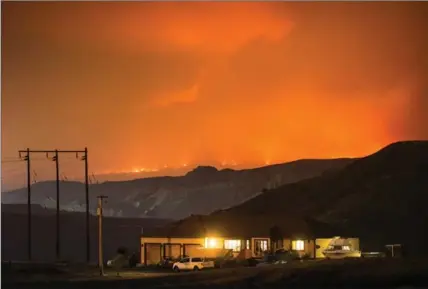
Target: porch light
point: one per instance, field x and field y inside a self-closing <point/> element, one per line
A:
<point x="211" y="243"/>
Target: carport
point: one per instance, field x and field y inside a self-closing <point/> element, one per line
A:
<point x="172" y="250"/>
<point x="152" y="253"/>
<point x="191" y="249"/>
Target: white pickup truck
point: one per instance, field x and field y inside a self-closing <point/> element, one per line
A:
<point x="192" y="263"/>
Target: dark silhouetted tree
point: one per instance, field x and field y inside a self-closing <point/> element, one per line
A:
<point x="276" y="238"/>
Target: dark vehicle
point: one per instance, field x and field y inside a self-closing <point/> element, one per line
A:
<point x="167" y="262"/>
<point x="252" y="262"/>
<point x="287" y="255"/>
<point x="280" y="256"/>
<point x="225" y="263"/>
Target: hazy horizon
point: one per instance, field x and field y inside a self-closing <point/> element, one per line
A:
<point x="157" y="172"/>
<point x="13" y="184"/>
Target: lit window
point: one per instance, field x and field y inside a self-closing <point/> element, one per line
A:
<point x="234" y="245"/>
<point x="298" y="245"/>
<point x="260" y="246"/>
<point x="264" y="245"/>
<point x="247" y="245"/>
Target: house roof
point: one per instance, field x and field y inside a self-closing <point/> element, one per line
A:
<point x="233" y="226"/>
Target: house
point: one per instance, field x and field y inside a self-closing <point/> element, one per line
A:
<point x="185" y="237"/>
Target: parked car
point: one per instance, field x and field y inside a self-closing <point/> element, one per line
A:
<point x="192" y="263"/>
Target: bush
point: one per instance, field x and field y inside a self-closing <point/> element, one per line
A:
<point x="122" y="251"/>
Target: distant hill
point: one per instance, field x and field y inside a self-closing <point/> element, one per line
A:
<point x="117" y="232"/>
<point x="381" y="198"/>
<point x="201" y="191"/>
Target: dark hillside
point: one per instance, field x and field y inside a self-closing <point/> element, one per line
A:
<point x="117" y="232"/>
<point x="175" y="197"/>
<point x="381" y="198"/>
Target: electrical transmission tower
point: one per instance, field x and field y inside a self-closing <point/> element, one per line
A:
<point x="55" y="158"/>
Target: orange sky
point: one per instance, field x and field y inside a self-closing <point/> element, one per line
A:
<point x="148" y="84"/>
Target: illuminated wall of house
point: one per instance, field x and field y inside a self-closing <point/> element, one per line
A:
<point x="155" y="250"/>
<point x="258" y="246"/>
<point x="286" y="244"/>
<point x="302" y="247"/>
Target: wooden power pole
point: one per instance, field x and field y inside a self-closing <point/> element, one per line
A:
<point x="100" y="233"/>
<point x="27" y="158"/>
<point x="58" y="230"/>
<point x="88" y="240"/>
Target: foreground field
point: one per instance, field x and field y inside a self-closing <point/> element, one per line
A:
<point x="375" y="273"/>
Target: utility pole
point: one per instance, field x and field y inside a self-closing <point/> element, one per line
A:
<point x="58" y="232"/>
<point x="56" y="159"/>
<point x="27" y="159"/>
<point x="88" y="240"/>
<point x="100" y="233"/>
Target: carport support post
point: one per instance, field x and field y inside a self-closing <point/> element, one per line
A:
<point x="315" y="248"/>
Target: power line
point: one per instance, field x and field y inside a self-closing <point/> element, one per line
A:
<point x="10" y="158"/>
<point x="64" y="177"/>
<point x="93" y="179"/>
<point x="34" y="177"/>
<point x="21" y="160"/>
<point x="10" y="161"/>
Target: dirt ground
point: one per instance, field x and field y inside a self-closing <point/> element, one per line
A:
<point x="363" y="273"/>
